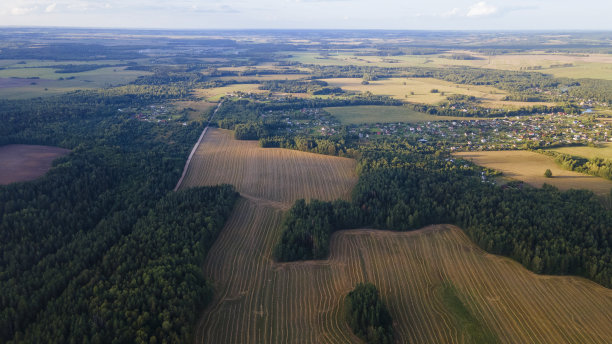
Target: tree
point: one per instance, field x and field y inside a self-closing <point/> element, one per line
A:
<point x="548" y="173"/>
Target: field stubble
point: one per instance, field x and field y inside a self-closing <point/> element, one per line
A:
<point x="260" y="301"/>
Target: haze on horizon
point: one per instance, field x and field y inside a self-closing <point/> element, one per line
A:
<point x="311" y="14"/>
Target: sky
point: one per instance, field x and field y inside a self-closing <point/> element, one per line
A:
<point x="312" y="14"/>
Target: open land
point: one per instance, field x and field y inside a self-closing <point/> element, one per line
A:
<point x="20" y="163"/>
<point x="603" y="151"/>
<point x="38" y="82"/>
<point x="439" y="286"/>
<point x="529" y="167"/>
<point x="402" y="88"/>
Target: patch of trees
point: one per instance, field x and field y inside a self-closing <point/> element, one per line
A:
<point x="368" y="316"/>
<point x="595" y="166"/>
<point x="405" y="187"/>
<point x="308" y="226"/>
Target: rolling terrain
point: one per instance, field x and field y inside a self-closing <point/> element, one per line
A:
<point x="438" y="285"/>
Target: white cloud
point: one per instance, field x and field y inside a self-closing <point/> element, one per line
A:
<point x="19" y="11"/>
<point x="51" y="8"/>
<point x="481" y="9"/>
<point x="452" y="13"/>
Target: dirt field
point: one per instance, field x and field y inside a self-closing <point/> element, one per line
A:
<point x="439" y="286"/>
<point x="529" y="167"/>
<point x="274" y="174"/>
<point x="421" y="87"/>
<point x="20" y="163"/>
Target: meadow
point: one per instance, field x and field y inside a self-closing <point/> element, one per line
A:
<point x="530" y="167"/>
<point x="382" y="114"/>
<point x="43" y="81"/>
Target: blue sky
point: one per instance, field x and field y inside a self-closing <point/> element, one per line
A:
<point x="312" y="14"/>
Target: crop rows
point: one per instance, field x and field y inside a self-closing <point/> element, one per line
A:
<point x="259" y="301"/>
<point x="272" y="174"/>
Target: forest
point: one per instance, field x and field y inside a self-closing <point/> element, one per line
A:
<point x="69" y="239"/>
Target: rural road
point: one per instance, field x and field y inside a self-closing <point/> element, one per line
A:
<point x="195" y="147"/>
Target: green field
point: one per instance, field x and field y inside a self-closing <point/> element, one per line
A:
<point x="602" y="151"/>
<point x="382" y="114"/>
<point x="48" y="82"/>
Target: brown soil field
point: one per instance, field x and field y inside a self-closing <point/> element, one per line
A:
<point x="273" y="174"/>
<point x="20" y="163"/>
<point x="259" y="301"/>
<point x="529" y="167"/>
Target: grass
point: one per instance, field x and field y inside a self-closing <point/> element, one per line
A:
<point x="382" y="114"/>
<point x="418" y="90"/>
<point x="440" y="287"/>
<point x="603" y="151"/>
<point x="530" y="167"/>
<point x="48" y="83"/>
<point x="464" y="319"/>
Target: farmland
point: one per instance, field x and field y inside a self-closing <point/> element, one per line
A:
<point x="214" y="94"/>
<point x="418" y="90"/>
<point x="529" y="167"/>
<point x="45" y="81"/>
<point x="438" y="285"/>
<point x="19" y="163"/>
<point x="382" y="114"/>
<point x="603" y="151"/>
<point x="273" y="174"/>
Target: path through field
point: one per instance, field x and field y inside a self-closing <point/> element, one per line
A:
<point x="439" y="286"/>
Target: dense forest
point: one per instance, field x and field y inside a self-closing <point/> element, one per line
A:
<point x="368" y="316"/>
<point x="86" y="245"/>
<point x="403" y="186"/>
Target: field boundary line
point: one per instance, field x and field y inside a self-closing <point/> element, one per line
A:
<point x="195" y="148"/>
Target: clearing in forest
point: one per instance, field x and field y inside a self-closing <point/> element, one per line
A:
<point x="530" y="167"/>
<point x="439" y="287"/>
<point x="20" y="163"/>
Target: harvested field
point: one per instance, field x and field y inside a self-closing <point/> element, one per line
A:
<point x="274" y="174"/>
<point x="20" y="163"/>
<point x="529" y="167"/>
<point x="259" y="301"/>
<point x="439" y="287"/>
<point x="603" y="151"/>
<point x="401" y="88"/>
